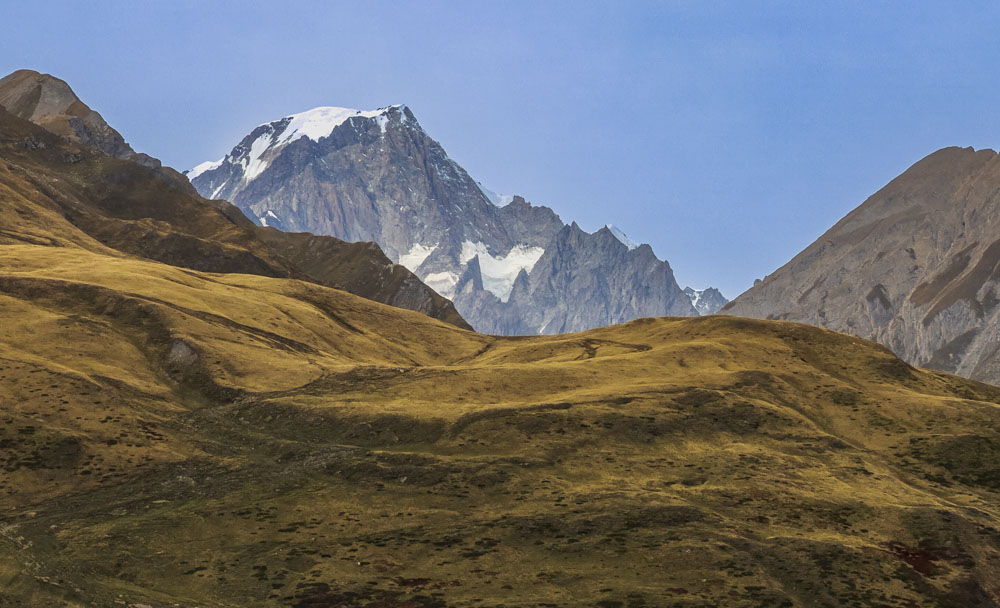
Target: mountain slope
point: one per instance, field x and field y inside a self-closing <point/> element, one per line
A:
<point x="376" y="175"/>
<point x="57" y="190"/>
<point x="915" y="267"/>
<point x="361" y="269"/>
<point x="178" y="437"/>
<point x="50" y="103"/>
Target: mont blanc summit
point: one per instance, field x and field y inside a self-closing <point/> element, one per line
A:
<point x="375" y="175"/>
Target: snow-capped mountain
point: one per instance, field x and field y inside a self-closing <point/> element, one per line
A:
<point x="254" y="153"/>
<point x="706" y="301"/>
<point x="364" y="175"/>
<point x="377" y="176"/>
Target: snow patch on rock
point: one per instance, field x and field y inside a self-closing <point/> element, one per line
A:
<point x="442" y="282"/>
<point x="416" y="256"/>
<point x="252" y="163"/>
<point x="500" y="200"/>
<point x="500" y="272"/>
<point x="203" y="167"/>
<point x="318" y="123"/>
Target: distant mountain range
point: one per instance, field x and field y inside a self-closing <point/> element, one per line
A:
<point x="509" y="266"/>
<point x="915" y="267"/>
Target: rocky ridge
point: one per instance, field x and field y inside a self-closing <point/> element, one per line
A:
<point x="915" y="267"/>
<point x="579" y="281"/>
<point x="50" y="103"/>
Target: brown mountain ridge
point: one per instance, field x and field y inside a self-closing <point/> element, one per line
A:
<point x="50" y="103"/>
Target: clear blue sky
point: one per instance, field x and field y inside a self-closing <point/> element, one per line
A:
<point x="728" y="135"/>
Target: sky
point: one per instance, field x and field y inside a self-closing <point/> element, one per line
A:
<point x="728" y="135"/>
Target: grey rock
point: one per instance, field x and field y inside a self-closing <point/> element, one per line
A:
<point x="582" y="280"/>
<point x="916" y="267"/>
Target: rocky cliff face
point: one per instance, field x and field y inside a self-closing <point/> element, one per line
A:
<point x="582" y="280"/>
<point x="706" y="301"/>
<point x="376" y="175"/>
<point x="916" y="267"/>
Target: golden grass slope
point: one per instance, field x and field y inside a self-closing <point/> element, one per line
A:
<point x="180" y="438"/>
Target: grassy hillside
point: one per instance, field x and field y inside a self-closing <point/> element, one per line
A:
<point x="180" y="438"/>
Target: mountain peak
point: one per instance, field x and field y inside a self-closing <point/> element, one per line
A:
<point x="621" y="236"/>
<point x="911" y="267"/>
<point x="320" y="122"/>
<point x="48" y="94"/>
<point x="252" y="156"/>
<point x="50" y="103"/>
<point x="46" y="101"/>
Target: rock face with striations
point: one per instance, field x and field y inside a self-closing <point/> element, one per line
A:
<point x="510" y="267"/>
<point x="579" y="282"/>
<point x="916" y="267"/>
